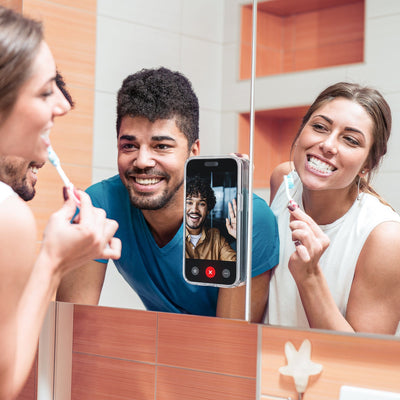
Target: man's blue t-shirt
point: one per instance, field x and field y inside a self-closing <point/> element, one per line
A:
<point x="156" y="273"/>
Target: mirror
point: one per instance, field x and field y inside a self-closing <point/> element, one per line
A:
<point x="202" y="40"/>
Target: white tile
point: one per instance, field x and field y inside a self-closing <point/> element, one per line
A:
<point x="232" y="21"/>
<point x="201" y="63"/>
<point x="229" y="132"/>
<point x="210" y="133"/>
<point x="98" y="174"/>
<point x="385" y="183"/>
<point x="378" y="8"/>
<point x="203" y="19"/>
<point x="105" y="134"/>
<point x="124" y="48"/>
<point x="382" y="40"/>
<point x="162" y="14"/>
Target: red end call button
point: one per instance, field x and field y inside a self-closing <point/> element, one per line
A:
<point x="210" y="272"/>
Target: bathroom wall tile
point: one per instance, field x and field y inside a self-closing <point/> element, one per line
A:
<point x="351" y="19"/>
<point x="102" y="378"/>
<point x="205" y="76"/>
<point x="231" y="21"/>
<point x="207" y="344"/>
<point x="29" y="391"/>
<point x="13" y="4"/>
<point x="346" y="360"/>
<point x="99" y="174"/>
<point x="375" y="8"/>
<point x="74" y="52"/>
<point x="140" y="12"/>
<point x="121" y="51"/>
<point x="49" y="197"/>
<point x="269" y="31"/>
<point x="381" y="63"/>
<point x="104" y="132"/>
<point x="306" y="30"/>
<point x="183" y="384"/>
<point x="211" y="142"/>
<point x="84" y="5"/>
<point x="202" y="20"/>
<point x="383" y="183"/>
<point x="229" y="132"/>
<point x="96" y="332"/>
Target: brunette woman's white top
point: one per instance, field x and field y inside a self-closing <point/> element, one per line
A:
<point x="347" y="236"/>
<point x="5" y="192"/>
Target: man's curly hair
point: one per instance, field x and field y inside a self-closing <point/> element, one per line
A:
<point x="160" y="94"/>
<point x="199" y="186"/>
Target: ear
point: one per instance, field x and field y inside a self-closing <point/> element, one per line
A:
<point x="195" y="149"/>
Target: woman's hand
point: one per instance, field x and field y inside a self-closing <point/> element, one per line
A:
<point x="310" y="244"/>
<point x="70" y="245"/>
<point x="231" y="221"/>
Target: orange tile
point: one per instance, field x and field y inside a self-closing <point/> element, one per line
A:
<point x="269" y="61"/>
<point x="246" y="24"/>
<point x="269" y="30"/>
<point x="14" y="4"/>
<point x="208" y="344"/>
<point x="115" y="332"/>
<point x="245" y="61"/>
<point x="74" y="52"/>
<point x="350" y="27"/>
<point x="306" y="30"/>
<point x="274" y="131"/>
<point x="346" y="359"/>
<point x="181" y="384"/>
<point x="103" y="378"/>
<point x="49" y="197"/>
<point x="29" y="391"/>
<point x="305" y="35"/>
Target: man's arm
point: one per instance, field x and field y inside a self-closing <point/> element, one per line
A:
<point x="231" y="301"/>
<point x="83" y="285"/>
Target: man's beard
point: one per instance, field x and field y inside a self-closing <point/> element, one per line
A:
<point x="147" y="201"/>
<point x="24" y="191"/>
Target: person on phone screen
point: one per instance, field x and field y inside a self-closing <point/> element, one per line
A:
<point x="202" y="242"/>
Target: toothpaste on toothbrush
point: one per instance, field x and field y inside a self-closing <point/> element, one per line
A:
<point x="55" y="161"/>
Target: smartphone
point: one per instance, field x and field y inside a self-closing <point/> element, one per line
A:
<point x="215" y="220"/>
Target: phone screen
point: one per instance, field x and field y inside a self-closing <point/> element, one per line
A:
<point x="211" y="225"/>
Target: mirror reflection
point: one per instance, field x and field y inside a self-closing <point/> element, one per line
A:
<point x="211" y="49"/>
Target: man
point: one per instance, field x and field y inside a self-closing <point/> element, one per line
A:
<point x="157" y="130"/>
<point x="21" y="174"/>
<point x="203" y="243"/>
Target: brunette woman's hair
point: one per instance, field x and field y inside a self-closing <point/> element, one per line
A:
<point x="20" y="39"/>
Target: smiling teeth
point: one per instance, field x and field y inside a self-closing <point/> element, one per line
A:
<point x="34" y="169"/>
<point x="320" y="166"/>
<point x="147" y="181"/>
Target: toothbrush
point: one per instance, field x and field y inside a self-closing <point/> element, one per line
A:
<point x="55" y="161"/>
<point x="289" y="184"/>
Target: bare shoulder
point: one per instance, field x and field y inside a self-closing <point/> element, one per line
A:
<point x="374" y="302"/>
<point x="17" y="217"/>
<point x="277" y="177"/>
